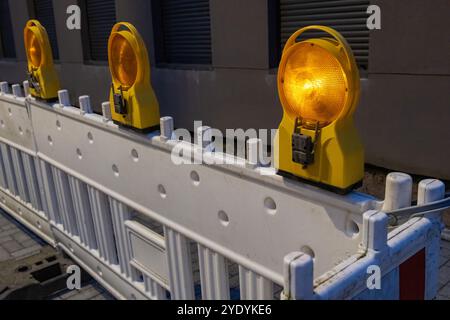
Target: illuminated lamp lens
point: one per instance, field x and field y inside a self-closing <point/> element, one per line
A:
<point x="34" y="49"/>
<point x="314" y="84"/>
<point x="124" y="62"/>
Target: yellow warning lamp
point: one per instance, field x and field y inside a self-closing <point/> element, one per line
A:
<point x="133" y="101"/>
<point x="318" y="85"/>
<point x="43" y="80"/>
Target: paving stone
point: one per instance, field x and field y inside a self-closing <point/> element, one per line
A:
<point x="11" y="246"/>
<point x="85" y="293"/>
<point x="69" y="294"/>
<point x="8" y="226"/>
<point x="445" y="291"/>
<point x="29" y="243"/>
<point x="3" y="222"/>
<point x="27" y="252"/>
<point x="9" y="232"/>
<point x="5" y="239"/>
<point x="21" y="237"/>
<point x="444" y="277"/>
<point x="4" y="255"/>
<point x="445" y="244"/>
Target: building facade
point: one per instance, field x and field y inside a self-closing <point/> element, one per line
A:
<point x="216" y="61"/>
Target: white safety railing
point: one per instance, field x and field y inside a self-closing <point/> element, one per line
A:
<point x="147" y="228"/>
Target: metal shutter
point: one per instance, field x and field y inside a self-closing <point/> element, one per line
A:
<point x="347" y="16"/>
<point x="8" y="49"/>
<point x="45" y="15"/>
<point x="101" y="17"/>
<point x="186" y="31"/>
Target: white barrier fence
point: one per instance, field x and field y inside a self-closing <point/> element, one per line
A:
<point x="147" y="228"/>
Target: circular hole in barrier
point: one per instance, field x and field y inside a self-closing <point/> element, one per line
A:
<point x="195" y="178"/>
<point x="162" y="191"/>
<point x="307" y="250"/>
<point x="133" y="297"/>
<point x="71" y="248"/>
<point x="79" y="154"/>
<point x="352" y="228"/>
<point x="2" y="123"/>
<point x="21" y="131"/>
<point x="58" y="124"/>
<point x="135" y="155"/>
<point x="90" y="137"/>
<point x="23" y="269"/>
<point x="9" y="112"/>
<point x="115" y="169"/>
<point x="50" y="140"/>
<point x="19" y="211"/>
<point x="223" y="218"/>
<point x="99" y="271"/>
<point x="38" y="223"/>
<point x="270" y="205"/>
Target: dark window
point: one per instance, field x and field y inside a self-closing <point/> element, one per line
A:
<point x="182" y="31"/>
<point x="7" y="46"/>
<point x="101" y="17"/>
<point x="43" y="10"/>
<point x="349" y="17"/>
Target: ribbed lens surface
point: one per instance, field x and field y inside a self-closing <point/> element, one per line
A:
<point x="314" y="84"/>
<point x="34" y="49"/>
<point x="124" y="63"/>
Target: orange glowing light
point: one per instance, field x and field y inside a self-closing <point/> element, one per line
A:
<point x="314" y="84"/>
<point x="34" y="49"/>
<point x="123" y="61"/>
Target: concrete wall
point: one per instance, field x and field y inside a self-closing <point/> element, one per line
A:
<point x="403" y="117"/>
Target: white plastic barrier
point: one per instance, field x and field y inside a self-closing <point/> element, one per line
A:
<point x="21" y="185"/>
<point x="147" y="228"/>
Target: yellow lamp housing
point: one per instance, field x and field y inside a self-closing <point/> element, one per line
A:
<point x="133" y="101"/>
<point x="318" y="85"/>
<point x="43" y="80"/>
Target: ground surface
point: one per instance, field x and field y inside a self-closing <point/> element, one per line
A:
<point x="17" y="243"/>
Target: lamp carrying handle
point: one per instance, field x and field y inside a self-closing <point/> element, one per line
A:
<point x="336" y="35"/>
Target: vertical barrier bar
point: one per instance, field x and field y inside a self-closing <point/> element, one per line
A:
<point x="154" y="290"/>
<point x="431" y="190"/>
<point x="3" y="181"/>
<point x="82" y="210"/>
<point x="103" y="226"/>
<point x="375" y="230"/>
<point x="120" y="213"/>
<point x="32" y="181"/>
<point x="65" y="202"/>
<point x="180" y="265"/>
<point x="9" y="170"/>
<point x="253" y="286"/>
<point x="41" y="189"/>
<point x="213" y="275"/>
<point x="298" y="277"/>
<point x="50" y="201"/>
<point x="20" y="175"/>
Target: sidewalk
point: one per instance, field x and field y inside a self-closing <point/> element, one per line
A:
<point x="444" y="274"/>
<point x="17" y="243"/>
